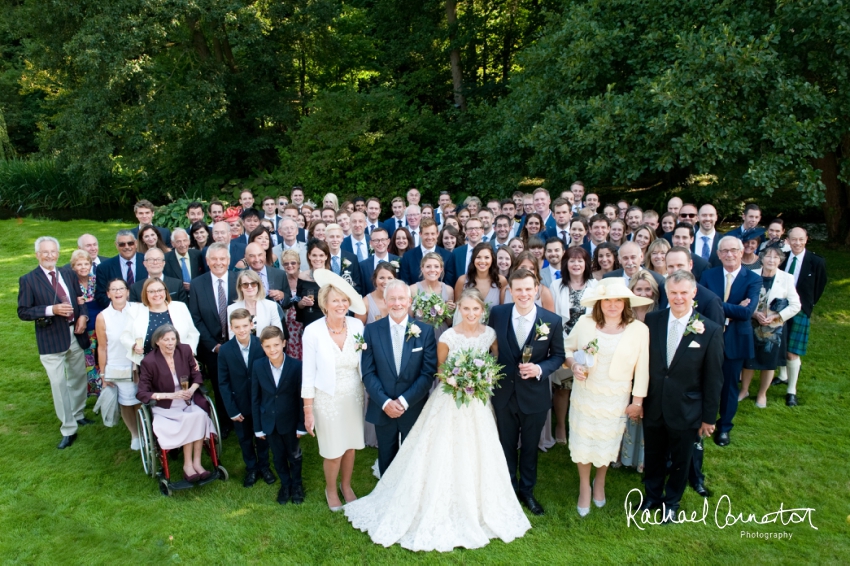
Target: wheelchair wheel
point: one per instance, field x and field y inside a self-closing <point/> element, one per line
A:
<point x="222" y="474"/>
<point x="163" y="487"/>
<point x="144" y="422"/>
<point x="216" y="425"/>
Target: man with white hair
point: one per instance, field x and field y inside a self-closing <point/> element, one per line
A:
<point x="183" y="262"/>
<point x="235" y="248"/>
<point x="50" y="298"/>
<point x="288" y="231"/>
<point x="343" y="263"/>
<point x="89" y="244"/>
<point x="631" y="259"/>
<point x="413" y="196"/>
<point x="155" y="263"/>
<point x="739" y="288"/>
<point x="413" y="215"/>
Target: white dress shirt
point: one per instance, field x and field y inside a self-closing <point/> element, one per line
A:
<point x="797" y="267"/>
<point x="124" y="268"/>
<point x="215" y="281"/>
<point x="48" y="311"/>
<point x="530" y="319"/>
<point x="698" y="242"/>
<point x="364" y="247"/>
<point x="393" y="325"/>
<point x="681" y="324"/>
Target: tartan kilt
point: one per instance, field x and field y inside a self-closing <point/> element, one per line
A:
<point x="798" y="334"/>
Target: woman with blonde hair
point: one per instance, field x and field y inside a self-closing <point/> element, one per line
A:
<point x="656" y="256"/>
<point x="330" y="201"/>
<point x="618" y="346"/>
<point x="250" y="295"/>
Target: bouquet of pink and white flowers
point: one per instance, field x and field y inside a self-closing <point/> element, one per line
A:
<point x="470" y="374"/>
<point x="431" y="309"/>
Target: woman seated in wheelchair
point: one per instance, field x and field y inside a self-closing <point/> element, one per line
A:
<point x="170" y="376"/>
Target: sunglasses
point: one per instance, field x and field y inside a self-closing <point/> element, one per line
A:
<point x="249" y="284"/>
<point x="688" y="215"/>
<point x="126" y="244"/>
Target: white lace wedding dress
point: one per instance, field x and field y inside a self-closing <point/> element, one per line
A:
<point x="448" y="486"/>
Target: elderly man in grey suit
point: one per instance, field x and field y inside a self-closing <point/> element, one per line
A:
<point x="288" y="231"/>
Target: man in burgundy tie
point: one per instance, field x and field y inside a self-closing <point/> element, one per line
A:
<point x="49" y="297"/>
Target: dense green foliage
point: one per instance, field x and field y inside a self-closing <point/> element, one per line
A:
<point x="91" y="504"/>
<point x="712" y="99"/>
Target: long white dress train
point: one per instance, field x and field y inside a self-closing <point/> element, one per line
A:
<point x="448" y="486"/>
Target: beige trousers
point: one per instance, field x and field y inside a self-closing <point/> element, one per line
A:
<point x="67" y="374"/>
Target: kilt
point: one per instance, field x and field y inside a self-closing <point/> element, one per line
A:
<point x="798" y="334"/>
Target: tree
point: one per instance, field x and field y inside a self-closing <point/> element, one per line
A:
<point x="753" y="93"/>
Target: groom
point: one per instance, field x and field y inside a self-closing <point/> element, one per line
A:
<point x="524" y="395"/>
<point x="398" y="367"/>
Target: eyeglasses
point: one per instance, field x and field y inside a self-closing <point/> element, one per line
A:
<point x="126" y="244"/>
<point x="473" y="228"/>
<point x="380" y="240"/>
<point x="154" y="261"/>
<point x="290" y="263"/>
<point x="730" y="251"/>
<point x="155" y="291"/>
<point x="115" y="290"/>
<point x="248" y="284"/>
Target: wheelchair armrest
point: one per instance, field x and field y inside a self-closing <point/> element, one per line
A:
<point x="152" y="403"/>
<point x="203" y="390"/>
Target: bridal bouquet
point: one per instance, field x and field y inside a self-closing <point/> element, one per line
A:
<point x="470" y="374"/>
<point x="431" y="309"/>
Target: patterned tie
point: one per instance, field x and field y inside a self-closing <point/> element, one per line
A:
<point x="793" y="265"/>
<point x="60" y="293"/>
<point x="360" y="251"/>
<point x="222" y="308"/>
<point x="521" y="332"/>
<point x="130" y="278"/>
<point x="398" y="345"/>
<point x="672" y="340"/>
<point x="729" y="279"/>
<point x="265" y="277"/>
<point x="335" y="264"/>
<point x="564" y="237"/>
<point x="185" y="268"/>
<point x="706" y="251"/>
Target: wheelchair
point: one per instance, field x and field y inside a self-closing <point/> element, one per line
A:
<point x="155" y="459"/>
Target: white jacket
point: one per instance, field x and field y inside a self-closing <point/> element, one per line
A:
<point x="137" y="327"/>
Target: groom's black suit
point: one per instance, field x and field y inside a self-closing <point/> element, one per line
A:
<point x="413" y="382"/>
<point x="521" y="404"/>
<point x="680" y="397"/>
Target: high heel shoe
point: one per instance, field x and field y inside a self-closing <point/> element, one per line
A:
<point x="343" y="495"/>
<point x="599" y="504"/>
<point x="333" y="509"/>
<point x="582" y="511"/>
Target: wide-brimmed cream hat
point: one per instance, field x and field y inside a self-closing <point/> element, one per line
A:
<point x="612" y="288"/>
<point x="327" y="277"/>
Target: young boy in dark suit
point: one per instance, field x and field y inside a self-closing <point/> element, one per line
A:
<point x="278" y="411"/>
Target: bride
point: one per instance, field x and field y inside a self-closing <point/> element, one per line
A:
<point x="448" y="486"/>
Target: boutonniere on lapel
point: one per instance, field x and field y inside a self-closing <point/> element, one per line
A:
<point x="695" y="325"/>
<point x="395" y="265"/>
<point x="413" y="331"/>
<point x="359" y="343"/>
<point x="541" y="331"/>
<point x="346" y="264"/>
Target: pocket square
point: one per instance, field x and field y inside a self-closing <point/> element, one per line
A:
<point x="416" y="350"/>
<point x="694" y="345"/>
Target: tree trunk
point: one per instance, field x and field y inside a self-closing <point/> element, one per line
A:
<point x="836" y="207"/>
<point x="454" y="55"/>
<point x="199" y="41"/>
<point x="508" y="42"/>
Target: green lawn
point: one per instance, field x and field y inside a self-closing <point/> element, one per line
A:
<point x="91" y="504"/>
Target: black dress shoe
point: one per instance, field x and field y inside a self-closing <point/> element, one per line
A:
<point x="777" y="381"/>
<point x="66" y="441"/>
<point x="298" y="494"/>
<point x="84" y="421"/>
<point x="701" y="489"/>
<point x="250" y="479"/>
<point x="268" y="476"/>
<point x="649" y="505"/>
<point x="669" y="518"/>
<point x="791" y="400"/>
<point x="283" y="495"/>
<point x="722" y="439"/>
<point x="225" y="432"/>
<point x="528" y="500"/>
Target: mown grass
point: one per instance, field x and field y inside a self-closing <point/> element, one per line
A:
<point x="91" y="503"/>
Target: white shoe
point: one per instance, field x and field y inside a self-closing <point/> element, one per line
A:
<point x="599" y="503"/>
<point x="582" y="511"/>
<point x="136" y="444"/>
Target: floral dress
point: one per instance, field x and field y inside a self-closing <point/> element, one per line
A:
<point x="95" y="384"/>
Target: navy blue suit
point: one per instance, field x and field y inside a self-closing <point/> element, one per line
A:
<point x="302" y="235"/>
<point x="410" y="271"/>
<point x="196" y="264"/>
<point x="521" y="404"/>
<point x="456" y="266"/>
<point x="550" y="227"/>
<point x="234" y="379"/>
<point x="739" y="344"/>
<point x="279" y="414"/>
<point x="391" y="224"/>
<point x="696" y="248"/>
<point x="111" y="269"/>
<point x="348" y="244"/>
<point x="237" y="252"/>
<point x="353" y="270"/>
<point x="367" y="268"/>
<point x="383" y="383"/>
